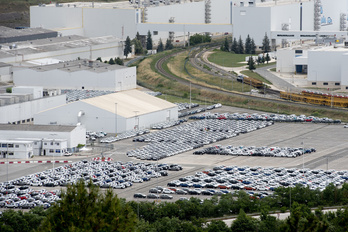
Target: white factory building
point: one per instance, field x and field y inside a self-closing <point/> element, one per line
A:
<point x="77" y="74"/>
<point x="20" y="106"/>
<point x="25" y="141"/>
<point x="281" y="20"/>
<point x="117" y="112"/>
<point x="325" y="66"/>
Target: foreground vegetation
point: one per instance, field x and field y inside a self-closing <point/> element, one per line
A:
<point x="150" y="78"/>
<point x="87" y="209"/>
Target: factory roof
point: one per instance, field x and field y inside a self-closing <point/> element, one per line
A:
<point x="79" y="65"/>
<point x="129" y="103"/>
<point x="53" y="44"/>
<point x="30" y="127"/>
<point x="6" y="32"/>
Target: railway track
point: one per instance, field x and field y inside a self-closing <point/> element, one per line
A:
<point x="162" y="71"/>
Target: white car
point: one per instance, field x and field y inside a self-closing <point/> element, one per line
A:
<point x="345" y="126"/>
<point x="168" y="191"/>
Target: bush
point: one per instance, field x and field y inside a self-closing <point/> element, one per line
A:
<point x="9" y="90"/>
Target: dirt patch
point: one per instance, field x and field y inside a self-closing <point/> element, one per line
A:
<point x="14" y="14"/>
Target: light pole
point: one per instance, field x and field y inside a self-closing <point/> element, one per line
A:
<point x="7" y="162"/>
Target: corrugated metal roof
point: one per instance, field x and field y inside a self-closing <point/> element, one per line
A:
<point x="129" y="103"/>
<point x="30" y="127"/>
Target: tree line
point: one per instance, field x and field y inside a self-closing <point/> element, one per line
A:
<point x="87" y="209"/>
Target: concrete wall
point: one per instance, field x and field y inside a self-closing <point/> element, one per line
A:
<point x="344" y="70"/>
<point x="120" y="79"/>
<point x="324" y="66"/>
<point x="56" y="17"/>
<point x="103" y="22"/>
<point x="26" y="110"/>
<point x="255" y="21"/>
<point x="6" y="73"/>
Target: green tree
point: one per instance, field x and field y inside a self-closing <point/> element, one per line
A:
<point x="119" y="61"/>
<point x="127" y="47"/>
<point x="111" y="61"/>
<point x="265" y="44"/>
<point x="137" y="36"/>
<point x="149" y="41"/>
<point x="225" y="46"/>
<point x="169" y="45"/>
<point x="268" y="58"/>
<point x="9" y="90"/>
<point x="234" y="46"/>
<point x="138" y="48"/>
<point x="244" y="223"/>
<point x="86" y="209"/>
<point x="248" y="45"/>
<point x="160" y="47"/>
<point x="252" y="47"/>
<point x="259" y="60"/>
<point x="251" y="63"/>
<point x="217" y="225"/>
<point x="240" y="47"/>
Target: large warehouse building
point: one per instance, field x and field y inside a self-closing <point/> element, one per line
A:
<point x="117" y="112"/>
<point x="77" y="74"/>
<point x="280" y="20"/>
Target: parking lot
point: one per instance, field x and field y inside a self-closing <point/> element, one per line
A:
<point x="329" y="140"/>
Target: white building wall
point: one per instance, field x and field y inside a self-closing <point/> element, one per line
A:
<point x="147" y="120"/>
<point x="5" y="73"/>
<point x="344" y="70"/>
<point x="324" y="66"/>
<point x="51" y="17"/>
<point x="19" y="150"/>
<point x="285" y="59"/>
<point x="26" y="110"/>
<point x="103" y="22"/>
<point x="94" y="119"/>
<point x="255" y="21"/>
<point x="119" y="79"/>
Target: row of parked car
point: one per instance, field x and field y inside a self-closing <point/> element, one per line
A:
<point x="255" y="151"/>
<point x="185" y="106"/>
<point x="118" y="175"/>
<point x="164" y="125"/>
<point x="24" y="197"/>
<point x="125" y="135"/>
<point x="264" y="117"/>
<point x="190" y="136"/>
<point x="259" y="179"/>
<point x="199" y="110"/>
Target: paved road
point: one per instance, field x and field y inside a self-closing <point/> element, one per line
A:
<point x="278" y="82"/>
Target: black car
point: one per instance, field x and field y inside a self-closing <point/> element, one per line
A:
<point x="139" y="195"/>
<point x="180" y="191"/>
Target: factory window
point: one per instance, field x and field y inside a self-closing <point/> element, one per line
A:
<point x="45" y="143"/>
<point x="314" y="83"/>
<point x="10" y="145"/>
<point x="18" y="122"/>
<point x="23" y="121"/>
<point x="58" y="151"/>
<point x="337" y="83"/>
<point x="155" y="32"/>
<point x="51" y="151"/>
<point x="17" y="146"/>
<point x="325" y="83"/>
<point x="242" y="12"/>
<point x="28" y="120"/>
<point x="57" y="144"/>
<point x="11" y="153"/>
<point x="298" y="51"/>
<point x="35" y="143"/>
<point x="4" y="145"/>
<point x="51" y="143"/>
